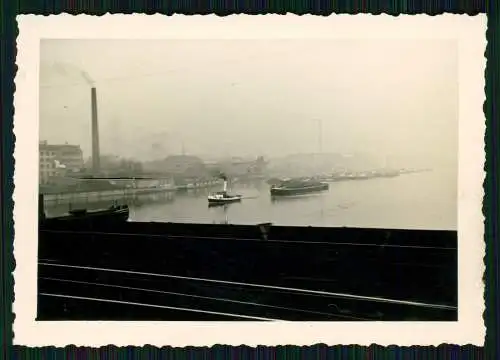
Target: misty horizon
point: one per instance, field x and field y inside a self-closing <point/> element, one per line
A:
<point x="246" y="98"/>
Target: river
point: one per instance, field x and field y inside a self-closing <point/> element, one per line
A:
<point x="424" y="200"/>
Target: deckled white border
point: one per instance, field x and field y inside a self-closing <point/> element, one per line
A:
<point x="470" y="32"/>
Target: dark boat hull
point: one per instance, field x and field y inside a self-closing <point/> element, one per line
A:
<point x="107" y="216"/>
<point x="298" y="190"/>
<point x="212" y="203"/>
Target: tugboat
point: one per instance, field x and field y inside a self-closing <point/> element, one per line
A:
<point x="298" y="187"/>
<point x="223" y="197"/>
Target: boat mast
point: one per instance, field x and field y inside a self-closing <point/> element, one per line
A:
<point x="320" y="133"/>
<point x="318" y="160"/>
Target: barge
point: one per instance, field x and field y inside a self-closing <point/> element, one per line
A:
<point x="298" y="187"/>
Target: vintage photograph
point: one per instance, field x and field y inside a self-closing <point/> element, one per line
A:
<point x="359" y="133"/>
<point x="276" y="135"/>
<point x="246" y="181"/>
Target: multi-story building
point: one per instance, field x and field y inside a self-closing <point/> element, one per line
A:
<point x="56" y="160"/>
<point x="46" y="166"/>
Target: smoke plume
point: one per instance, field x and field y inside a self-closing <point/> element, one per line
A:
<point x="87" y="78"/>
<point x="69" y="70"/>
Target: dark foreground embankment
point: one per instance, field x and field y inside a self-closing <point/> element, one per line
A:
<point x="161" y="271"/>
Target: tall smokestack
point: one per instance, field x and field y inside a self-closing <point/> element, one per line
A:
<point x="96" y="165"/>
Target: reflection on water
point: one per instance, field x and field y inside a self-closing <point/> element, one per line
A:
<point x="424" y="200"/>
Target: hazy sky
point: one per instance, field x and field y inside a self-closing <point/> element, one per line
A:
<point x="252" y="97"/>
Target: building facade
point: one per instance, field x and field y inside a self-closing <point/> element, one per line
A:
<point x="57" y="160"/>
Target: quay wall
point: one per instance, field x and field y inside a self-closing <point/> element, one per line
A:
<point x="120" y="194"/>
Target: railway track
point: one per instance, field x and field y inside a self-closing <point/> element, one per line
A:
<point x="91" y="293"/>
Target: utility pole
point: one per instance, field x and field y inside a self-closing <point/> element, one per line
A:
<point x="320" y="143"/>
<point x="318" y="161"/>
<point x="320" y="135"/>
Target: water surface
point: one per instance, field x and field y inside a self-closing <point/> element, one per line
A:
<point x="424" y="200"/>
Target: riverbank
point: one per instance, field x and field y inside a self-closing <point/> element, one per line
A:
<point x="123" y="194"/>
<point x="129" y="193"/>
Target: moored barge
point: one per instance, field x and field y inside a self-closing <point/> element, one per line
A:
<point x="298" y="187"/>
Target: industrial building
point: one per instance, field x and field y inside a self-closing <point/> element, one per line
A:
<point x="56" y="160"/>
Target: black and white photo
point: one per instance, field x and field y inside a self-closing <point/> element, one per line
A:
<point x="312" y="178"/>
